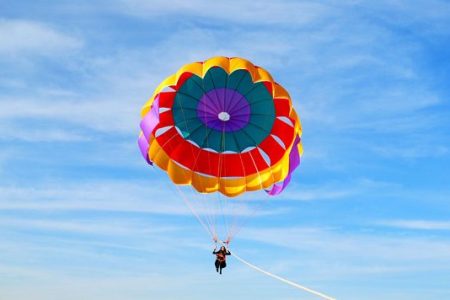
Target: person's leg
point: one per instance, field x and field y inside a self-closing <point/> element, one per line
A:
<point x="217" y="264"/>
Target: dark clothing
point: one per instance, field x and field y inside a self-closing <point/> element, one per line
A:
<point x="220" y="265"/>
<point x="221" y="259"/>
<point x="221" y="255"/>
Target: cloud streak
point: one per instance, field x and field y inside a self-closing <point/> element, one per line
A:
<point x="427" y="225"/>
<point x="35" y="38"/>
<point x="289" y="12"/>
<point x="159" y="198"/>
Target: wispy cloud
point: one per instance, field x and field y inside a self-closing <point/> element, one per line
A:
<point x="111" y="227"/>
<point x="152" y="197"/>
<point x="416" y="224"/>
<point x="116" y="117"/>
<point x="10" y="131"/>
<point x="234" y="11"/>
<point x="412" y="152"/>
<point x="376" y="253"/>
<point x="21" y="37"/>
<point x="333" y="190"/>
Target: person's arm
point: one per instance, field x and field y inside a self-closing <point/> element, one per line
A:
<point x="214" y="251"/>
<point x="228" y="252"/>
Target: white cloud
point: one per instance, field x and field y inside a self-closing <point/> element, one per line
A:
<point x="336" y="190"/>
<point x="29" y="37"/>
<point x="111" y="115"/>
<point x="416" y="224"/>
<point x="179" y="282"/>
<point x="152" y="197"/>
<point x="414" y="151"/>
<point x="287" y="12"/>
<point x="110" y="226"/>
<point x="402" y="12"/>
<point x="32" y="133"/>
<point x="356" y="253"/>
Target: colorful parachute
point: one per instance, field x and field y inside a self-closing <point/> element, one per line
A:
<point x="222" y="125"/>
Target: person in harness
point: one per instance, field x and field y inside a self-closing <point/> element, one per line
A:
<point x="221" y="258"/>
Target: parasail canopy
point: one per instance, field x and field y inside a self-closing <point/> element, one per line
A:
<point x="222" y="125"/>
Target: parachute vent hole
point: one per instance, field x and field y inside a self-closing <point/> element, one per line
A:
<point x="224" y="116"/>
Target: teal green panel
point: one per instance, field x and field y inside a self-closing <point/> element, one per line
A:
<point x="183" y="101"/>
<point x="263" y="124"/>
<point x="243" y="139"/>
<point x="180" y="115"/>
<point x="230" y="143"/>
<point x="199" y="134"/>
<point x="245" y="85"/>
<point x="262" y="114"/>
<point x="263" y="108"/>
<point x="183" y="114"/>
<point x="214" y="141"/>
<point x="219" y="76"/>
<point x="187" y="126"/>
<point x="237" y="141"/>
<point x="186" y="113"/>
<point x="258" y="93"/>
<point x="192" y="87"/>
<point x="256" y="133"/>
<point x="215" y="78"/>
<point x="237" y="77"/>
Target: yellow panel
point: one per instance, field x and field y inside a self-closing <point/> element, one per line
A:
<point x="194" y="68"/>
<point x="262" y="75"/>
<point x="205" y="184"/>
<point x="178" y="174"/>
<point x="158" y="156"/>
<point x="218" y="61"/>
<point x="300" y="149"/>
<point x="254" y="182"/>
<point x="237" y="63"/>
<point x="280" y="92"/>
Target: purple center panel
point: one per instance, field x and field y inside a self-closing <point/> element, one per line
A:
<point x="224" y="110"/>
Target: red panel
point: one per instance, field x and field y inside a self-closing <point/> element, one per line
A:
<point x="282" y="107"/>
<point x="166" y="140"/>
<point x="166" y="99"/>
<point x="231" y="165"/>
<point x="273" y="149"/>
<point x="283" y="131"/>
<point x="181" y="80"/>
<point x="258" y="160"/>
<point x="248" y="163"/>
<point x="165" y="119"/>
<point x="185" y="154"/>
<point x="208" y="163"/>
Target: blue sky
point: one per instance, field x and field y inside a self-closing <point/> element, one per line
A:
<point x="366" y="217"/>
